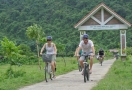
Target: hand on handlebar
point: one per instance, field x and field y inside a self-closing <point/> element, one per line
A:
<point x="77" y="55"/>
<point x="92" y="54"/>
<point x="40" y="53"/>
<point x="55" y="53"/>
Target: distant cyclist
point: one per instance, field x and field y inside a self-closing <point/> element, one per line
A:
<point x="101" y="53"/>
<point x="50" y="49"/>
<point x="87" y="47"/>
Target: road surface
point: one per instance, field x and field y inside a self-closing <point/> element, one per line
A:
<point x="74" y="80"/>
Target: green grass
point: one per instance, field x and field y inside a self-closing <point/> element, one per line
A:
<point x="119" y="77"/>
<point x="30" y="74"/>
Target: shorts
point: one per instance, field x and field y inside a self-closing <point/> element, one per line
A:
<point x="83" y="57"/>
<point x="54" y="58"/>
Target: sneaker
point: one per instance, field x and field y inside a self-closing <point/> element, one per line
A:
<point x="54" y="76"/>
<point x="90" y="71"/>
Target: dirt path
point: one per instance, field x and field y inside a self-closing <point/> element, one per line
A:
<point x="74" y="79"/>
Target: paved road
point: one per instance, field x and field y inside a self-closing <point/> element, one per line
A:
<point x="74" y="79"/>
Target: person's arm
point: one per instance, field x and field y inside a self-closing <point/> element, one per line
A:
<point x="93" y="50"/>
<point x="78" y="50"/>
<point x="75" y="54"/>
<point x="55" y="49"/>
<point x="42" y="49"/>
<point x="92" y="46"/>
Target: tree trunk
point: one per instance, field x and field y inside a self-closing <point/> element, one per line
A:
<point x="38" y="54"/>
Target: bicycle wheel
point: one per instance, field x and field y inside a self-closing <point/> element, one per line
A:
<point x="101" y="61"/>
<point x="85" y="73"/>
<point x="88" y="72"/>
<point x="48" y="73"/>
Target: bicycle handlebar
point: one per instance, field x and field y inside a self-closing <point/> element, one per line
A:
<point x="85" y="54"/>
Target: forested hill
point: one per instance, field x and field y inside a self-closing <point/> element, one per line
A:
<point x="57" y="18"/>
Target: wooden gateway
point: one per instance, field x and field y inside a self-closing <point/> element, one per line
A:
<point x="104" y="18"/>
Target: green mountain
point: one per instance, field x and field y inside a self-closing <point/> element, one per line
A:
<point x="57" y="18"/>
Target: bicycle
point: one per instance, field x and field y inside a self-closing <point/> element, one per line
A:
<point x="116" y="56"/>
<point x="101" y="59"/>
<point x="86" y="67"/>
<point x="47" y="69"/>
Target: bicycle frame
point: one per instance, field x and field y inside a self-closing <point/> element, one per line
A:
<point x="48" y="66"/>
<point x="86" y="67"/>
<point x="48" y="71"/>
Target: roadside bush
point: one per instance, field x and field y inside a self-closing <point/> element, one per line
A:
<point x="10" y="73"/>
<point x="129" y="50"/>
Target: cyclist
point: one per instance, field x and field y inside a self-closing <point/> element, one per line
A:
<point x="50" y="49"/>
<point x="87" y="47"/>
<point x="101" y="53"/>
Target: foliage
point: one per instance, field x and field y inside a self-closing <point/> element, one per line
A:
<point x="58" y="18"/>
<point x="10" y="73"/>
<point x="10" y="50"/>
<point x="60" y="49"/>
<point x="35" y="32"/>
<point x="118" y="77"/>
<point x="29" y="74"/>
<point x="129" y="50"/>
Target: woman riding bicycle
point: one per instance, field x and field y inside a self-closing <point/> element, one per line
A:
<point x="50" y="49"/>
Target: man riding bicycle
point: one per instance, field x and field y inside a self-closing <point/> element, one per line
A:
<point x="87" y="47"/>
<point x="101" y="53"/>
<point x="50" y="49"/>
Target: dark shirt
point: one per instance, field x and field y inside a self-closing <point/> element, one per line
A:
<point x="101" y="52"/>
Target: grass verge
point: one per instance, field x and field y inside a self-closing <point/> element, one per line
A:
<point x="119" y="77"/>
<point x="30" y="74"/>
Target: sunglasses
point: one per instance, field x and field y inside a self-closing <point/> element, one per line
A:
<point x="48" y="40"/>
<point x="85" y="38"/>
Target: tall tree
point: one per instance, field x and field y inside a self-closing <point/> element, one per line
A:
<point x="35" y="32"/>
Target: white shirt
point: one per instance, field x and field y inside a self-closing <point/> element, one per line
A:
<point x="50" y="50"/>
<point x="86" y="47"/>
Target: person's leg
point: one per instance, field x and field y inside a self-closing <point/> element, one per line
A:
<point x="53" y="65"/>
<point x="100" y="58"/>
<point x="81" y="62"/>
<point x="91" y="64"/>
<point x="103" y="57"/>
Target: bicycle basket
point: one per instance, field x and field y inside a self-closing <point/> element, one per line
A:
<point x="47" y="57"/>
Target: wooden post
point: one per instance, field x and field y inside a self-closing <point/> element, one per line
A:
<point x="123" y="44"/>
